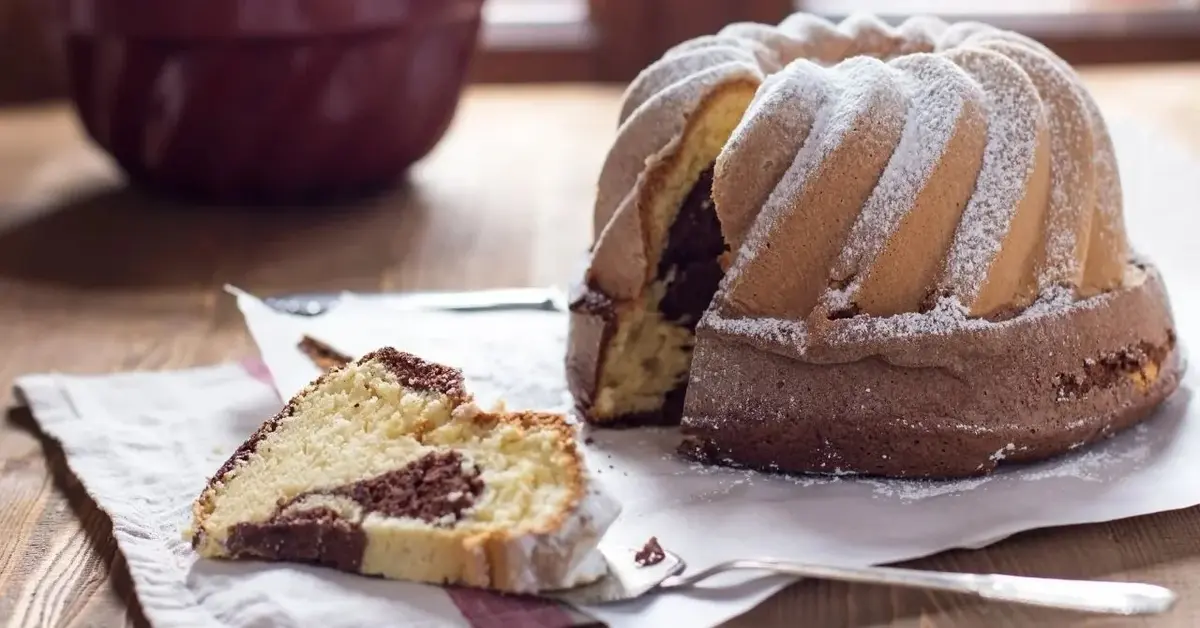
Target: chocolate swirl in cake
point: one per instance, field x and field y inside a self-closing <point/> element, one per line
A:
<point x="435" y="488"/>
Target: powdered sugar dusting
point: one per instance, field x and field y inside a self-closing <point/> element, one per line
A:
<point x="765" y="55"/>
<point x="764" y="144"/>
<point x="680" y="67"/>
<point x="938" y="92"/>
<point x="920" y="34"/>
<point x="1059" y="299"/>
<point x="1109" y="201"/>
<point x="950" y="316"/>
<point x="651" y="129"/>
<point x="1014" y="119"/>
<point x="947" y="316"/>
<point x="870" y="35"/>
<point x="785" y="47"/>
<point x="1072" y="166"/>
<point x="789" y="100"/>
<point x="859" y="87"/>
<point x="824" y="42"/>
<point x="777" y="331"/>
<point x="1110" y="215"/>
<point x="1002" y="453"/>
<point x="860" y="33"/>
<point x="1095" y="464"/>
<point x="958" y="33"/>
<point x="1109" y="197"/>
<point x="972" y="429"/>
<point x="917" y="490"/>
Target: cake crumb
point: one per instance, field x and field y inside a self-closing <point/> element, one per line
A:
<point x="651" y="553"/>
<point x="324" y="356"/>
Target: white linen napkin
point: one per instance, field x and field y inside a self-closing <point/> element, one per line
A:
<point x="145" y="444"/>
<point x="708" y="515"/>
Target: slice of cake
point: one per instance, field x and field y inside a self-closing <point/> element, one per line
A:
<point x="386" y="467"/>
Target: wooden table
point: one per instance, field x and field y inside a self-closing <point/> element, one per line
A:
<point x="96" y="278"/>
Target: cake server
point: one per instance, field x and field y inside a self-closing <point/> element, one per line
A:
<point x="317" y="303"/>
<point x="628" y="580"/>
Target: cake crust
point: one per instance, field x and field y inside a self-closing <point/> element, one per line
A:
<point x="956" y="402"/>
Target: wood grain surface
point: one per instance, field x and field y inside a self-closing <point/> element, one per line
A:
<point x="98" y="278"/>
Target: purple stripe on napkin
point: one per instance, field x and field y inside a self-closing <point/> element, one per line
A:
<point x="492" y="610"/>
<point x="257" y="369"/>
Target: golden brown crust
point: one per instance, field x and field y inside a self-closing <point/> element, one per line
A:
<point x="657" y="174"/>
<point x="421" y="375"/>
<point x="567" y="442"/>
<point x="592" y="323"/>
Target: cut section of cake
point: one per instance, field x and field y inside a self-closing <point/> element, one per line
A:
<point x="658" y="245"/>
<point x="386" y="467"/>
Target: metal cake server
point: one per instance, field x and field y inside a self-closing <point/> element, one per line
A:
<point x="545" y="299"/>
<point x="627" y="580"/>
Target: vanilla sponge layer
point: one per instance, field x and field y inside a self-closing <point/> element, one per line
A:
<point x="648" y="356"/>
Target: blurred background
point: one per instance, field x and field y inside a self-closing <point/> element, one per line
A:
<point x="609" y="40"/>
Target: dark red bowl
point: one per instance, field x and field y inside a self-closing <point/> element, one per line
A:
<point x="267" y="100"/>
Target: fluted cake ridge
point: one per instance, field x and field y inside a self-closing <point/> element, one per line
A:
<point x="1041" y="207"/>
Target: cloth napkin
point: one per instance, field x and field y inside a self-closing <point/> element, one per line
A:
<point x="708" y="515"/>
<point x="143" y="445"/>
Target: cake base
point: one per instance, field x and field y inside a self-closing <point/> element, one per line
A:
<point x="847" y="399"/>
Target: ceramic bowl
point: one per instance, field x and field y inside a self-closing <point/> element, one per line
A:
<point x="267" y="100"/>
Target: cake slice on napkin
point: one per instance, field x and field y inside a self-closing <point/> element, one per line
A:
<point x="386" y="467"/>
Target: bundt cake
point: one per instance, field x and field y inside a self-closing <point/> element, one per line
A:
<point x="858" y="248"/>
<point x="385" y="467"/>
